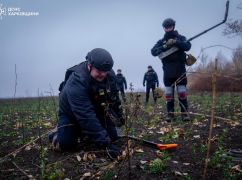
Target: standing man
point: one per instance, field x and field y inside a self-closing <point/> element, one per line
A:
<point x="121" y="83"/>
<point x="174" y="68"/>
<point x="151" y="81"/>
<point x="88" y="103"/>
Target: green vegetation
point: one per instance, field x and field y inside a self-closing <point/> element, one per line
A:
<point x="158" y="165"/>
<point x="24" y="125"/>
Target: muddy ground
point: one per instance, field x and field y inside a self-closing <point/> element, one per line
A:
<point x="32" y="157"/>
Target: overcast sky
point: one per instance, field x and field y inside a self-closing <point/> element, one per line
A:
<point x="60" y="36"/>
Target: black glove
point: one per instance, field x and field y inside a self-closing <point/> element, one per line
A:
<point x="113" y="151"/>
<point x="119" y="122"/>
<point x="144" y="84"/>
<point x="122" y="121"/>
<point x="170" y="42"/>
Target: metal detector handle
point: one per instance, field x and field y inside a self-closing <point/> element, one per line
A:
<point x="224" y="20"/>
<point x="226" y="11"/>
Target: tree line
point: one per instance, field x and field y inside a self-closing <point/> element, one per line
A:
<point x="228" y="73"/>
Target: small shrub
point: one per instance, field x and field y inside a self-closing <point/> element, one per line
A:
<point x="158" y="165"/>
<point x="108" y="175"/>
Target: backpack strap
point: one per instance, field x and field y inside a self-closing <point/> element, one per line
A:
<point x="69" y="71"/>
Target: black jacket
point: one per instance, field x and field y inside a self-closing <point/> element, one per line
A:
<point x="151" y="78"/>
<point x="81" y="99"/>
<point x="174" y="64"/>
<point x="121" y="81"/>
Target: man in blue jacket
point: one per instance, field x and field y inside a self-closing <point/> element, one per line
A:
<point x="121" y="83"/>
<point x="89" y="105"/>
<point x="151" y="81"/>
<point x="174" y="68"/>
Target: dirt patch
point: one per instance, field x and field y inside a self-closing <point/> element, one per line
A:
<point x="37" y="160"/>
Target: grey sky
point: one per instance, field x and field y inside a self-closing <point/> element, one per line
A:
<point x="44" y="46"/>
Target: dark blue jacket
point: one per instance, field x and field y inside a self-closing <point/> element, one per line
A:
<point x="174" y="64"/>
<point x="151" y="78"/>
<point x="81" y="100"/>
<point x="121" y="81"/>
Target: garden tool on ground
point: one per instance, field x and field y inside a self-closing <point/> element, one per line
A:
<point x="152" y="144"/>
<point x="235" y="154"/>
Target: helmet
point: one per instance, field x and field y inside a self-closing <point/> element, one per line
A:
<point x="168" y="23"/>
<point x="119" y="70"/>
<point x="149" y="66"/>
<point x="100" y="59"/>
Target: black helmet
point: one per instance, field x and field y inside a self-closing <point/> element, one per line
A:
<point x="119" y="70"/>
<point x="100" y="59"/>
<point x="149" y="66"/>
<point x="168" y="23"/>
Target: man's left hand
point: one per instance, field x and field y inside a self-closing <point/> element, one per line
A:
<point x="170" y="42"/>
<point x="122" y="120"/>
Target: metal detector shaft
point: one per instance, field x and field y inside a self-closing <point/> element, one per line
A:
<point x="152" y="144"/>
<point x="174" y="49"/>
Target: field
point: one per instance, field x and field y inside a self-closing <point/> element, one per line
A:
<point x="26" y="153"/>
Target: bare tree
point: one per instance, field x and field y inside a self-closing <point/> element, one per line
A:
<point x="237" y="61"/>
<point x="203" y="61"/>
<point x="229" y="73"/>
<point x="234" y="27"/>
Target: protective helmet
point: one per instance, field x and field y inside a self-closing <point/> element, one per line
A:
<point x="100" y="59"/>
<point x="168" y="23"/>
<point x="119" y="70"/>
<point x="149" y="66"/>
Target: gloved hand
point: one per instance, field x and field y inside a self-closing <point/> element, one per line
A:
<point x="122" y="120"/>
<point x="113" y="151"/>
<point x="144" y="84"/>
<point x="119" y="121"/>
<point x="170" y="42"/>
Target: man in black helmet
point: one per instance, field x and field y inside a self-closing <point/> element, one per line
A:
<point x="89" y="105"/>
<point x="174" y="68"/>
<point x="151" y="81"/>
<point x="121" y="83"/>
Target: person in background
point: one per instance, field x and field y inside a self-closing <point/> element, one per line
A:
<point x="151" y="81"/>
<point x="174" y="68"/>
<point x="121" y="83"/>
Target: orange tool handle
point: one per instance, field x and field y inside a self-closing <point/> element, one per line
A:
<point x="166" y="146"/>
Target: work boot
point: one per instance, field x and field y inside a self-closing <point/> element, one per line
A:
<point x="185" y="117"/>
<point x="170" y="117"/>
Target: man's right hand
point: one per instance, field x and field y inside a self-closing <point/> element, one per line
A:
<point x="170" y="42"/>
